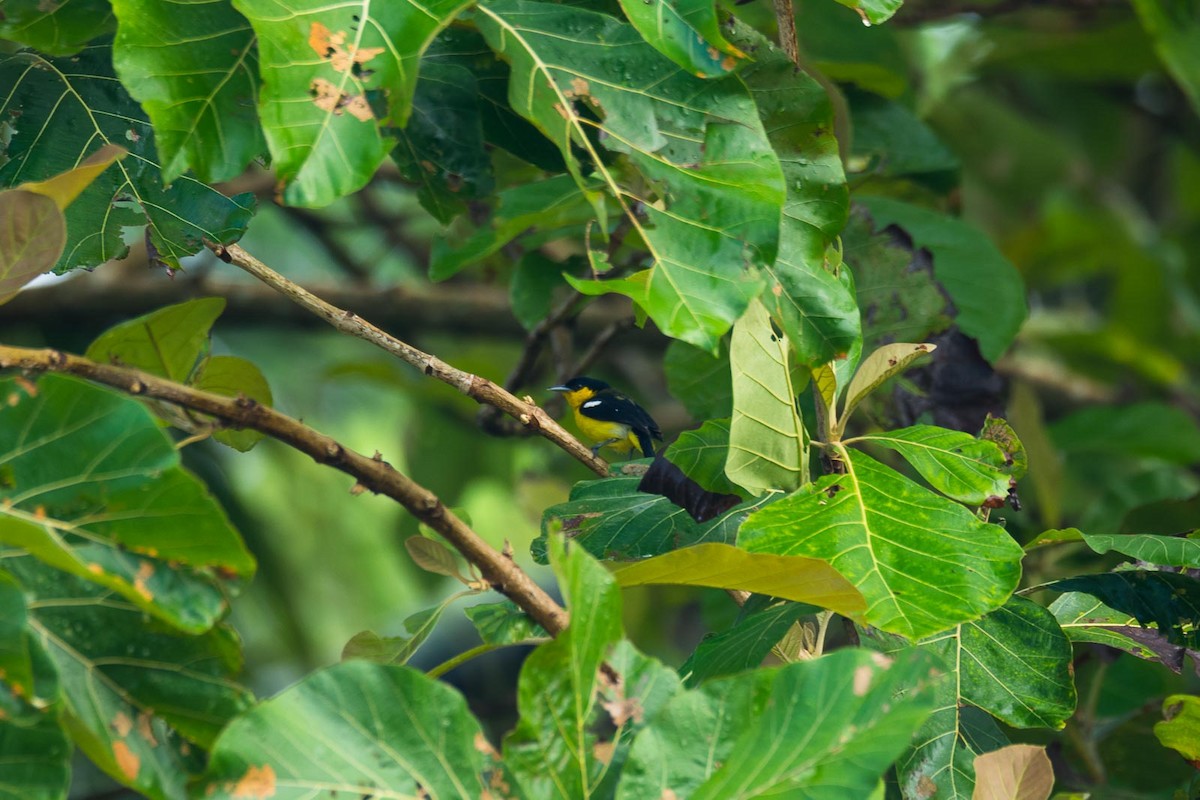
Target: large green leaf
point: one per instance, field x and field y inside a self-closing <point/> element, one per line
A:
<point x="1015" y="664"/>
<point x="986" y="288"/>
<point x="193" y="67"/>
<point x="333" y="78"/>
<point x="166" y="342"/>
<point x="814" y="303"/>
<point x="697" y="180"/>
<point x="1174" y="551"/>
<point x="68" y="107"/>
<point x="768" y="445"/>
<point x="699" y="380"/>
<point x="924" y="563"/>
<point x="1167" y="600"/>
<point x="813" y="707"/>
<point x="611" y="519"/>
<point x="1175" y="29"/>
<point x="353" y="729"/>
<point x="566" y="684"/>
<point x="685" y="31"/>
<point x="701" y="454"/>
<point x="59" y="28"/>
<point x="743" y="646"/>
<point x="131" y="687"/>
<point x="957" y="464"/>
<point x="1086" y="619"/>
<point x="93" y="486"/>
<point x="36" y="763"/>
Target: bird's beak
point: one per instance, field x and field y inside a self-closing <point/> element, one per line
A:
<point x="558" y="389"/>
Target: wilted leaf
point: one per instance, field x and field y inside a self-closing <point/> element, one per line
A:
<point x="31" y="239"/>
<point x="433" y="556"/>
<point x="1016" y="772"/>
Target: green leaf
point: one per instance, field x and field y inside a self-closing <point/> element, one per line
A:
<point x="999" y="431"/>
<point x="1167" y="600"/>
<point x="768" y="445"/>
<point x="812" y="706"/>
<point x="370" y="646"/>
<point x="924" y="563"/>
<point x="723" y="566"/>
<point x="957" y="464"/>
<point x="503" y="623"/>
<point x="743" y="646"/>
<point x="37" y="760"/>
<point x="700" y="381"/>
<point x="68" y="106"/>
<point x="1175" y="29"/>
<point x="422" y="739"/>
<point x="814" y="304"/>
<point x="687" y="32"/>
<point x="1180" y="730"/>
<point x="548" y="205"/>
<point x="697" y="181"/>
<point x="167" y="342"/>
<point x="693" y="735"/>
<point x="94" y="487"/>
<point x="29" y="685"/>
<point x="531" y="290"/>
<point x="701" y="454"/>
<point x="31" y="240"/>
<point x="58" y="29"/>
<point x="1019" y="771"/>
<point x="611" y="519"/>
<point x="896" y="140"/>
<point x="193" y="67"/>
<point x="986" y="288"/>
<point x="1146" y="430"/>
<point x="331" y="77"/>
<point x="886" y="362"/>
<point x="442" y="147"/>
<point x="874" y="12"/>
<point x="942" y="763"/>
<point x="234" y="377"/>
<point x="1085" y="619"/>
<point x="1172" y="551"/>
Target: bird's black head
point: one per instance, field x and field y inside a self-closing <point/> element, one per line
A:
<point x="581" y="382"/>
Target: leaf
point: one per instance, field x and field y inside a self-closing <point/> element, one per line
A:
<point x="611" y="519"/>
<point x="1180" y="730"/>
<point x="1164" y="550"/>
<point x="889" y="133"/>
<point x="814" y="303"/>
<point x="550" y="205"/>
<point x="331" y="77"/>
<point x="923" y="563"/>
<point x="167" y="342"/>
<point x="370" y="646"/>
<point x="1085" y="619"/>
<point x="234" y="377"/>
<point x="55" y="28"/>
<point x="701" y="454"/>
<point x="29" y="686"/>
<point x="985" y="287"/>
<point x="432" y="556"/>
<point x="64" y="188"/>
<point x="422" y="739"/>
<point x="1016" y="772"/>
<point x="999" y="431"/>
<point x="37" y="760"/>
<point x="812" y="705"/>
<point x="874" y="12"/>
<point x="957" y="464"/>
<point x="68" y="107"/>
<point x="94" y="487"/>
<point x="1167" y="600"/>
<point x="697" y="181"/>
<point x="886" y="362"/>
<point x="723" y="566"/>
<point x="1146" y="430"/>
<point x="743" y="646"/>
<point x="687" y="32"/>
<point x="31" y="239"/>
<point x="503" y="623"/>
<point x="768" y="445"/>
<point x="1175" y="30"/>
<point x="193" y="67"/>
<point x="700" y="381"/>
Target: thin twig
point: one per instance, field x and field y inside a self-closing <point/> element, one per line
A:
<point x="478" y="389"/>
<point x="599" y="343"/>
<point x="374" y="474"/>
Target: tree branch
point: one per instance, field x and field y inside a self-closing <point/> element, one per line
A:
<point x="479" y="389"/>
<point x="374" y="474"/>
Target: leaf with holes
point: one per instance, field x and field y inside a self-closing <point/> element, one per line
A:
<point x="924" y="563"/>
<point x="957" y="464"/>
<point x="192" y="65"/>
<point x="697" y="181"/>
<point x="67" y="107"/>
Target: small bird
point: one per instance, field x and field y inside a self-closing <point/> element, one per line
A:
<point x="608" y="417"/>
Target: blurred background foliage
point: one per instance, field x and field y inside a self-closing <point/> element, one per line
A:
<point x="1055" y="127"/>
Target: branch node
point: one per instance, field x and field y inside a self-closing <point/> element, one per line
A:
<point x="245" y="402"/>
<point x="333" y="450"/>
<point x="357" y="489"/>
<point x="57" y="359"/>
<point x="137" y="387"/>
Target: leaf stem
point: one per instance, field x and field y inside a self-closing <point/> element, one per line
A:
<point x="479" y="650"/>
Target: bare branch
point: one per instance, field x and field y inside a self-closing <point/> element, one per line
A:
<point x="479" y="389"/>
<point x="374" y="474"/>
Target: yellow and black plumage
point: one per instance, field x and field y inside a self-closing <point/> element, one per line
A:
<point x="608" y="417"/>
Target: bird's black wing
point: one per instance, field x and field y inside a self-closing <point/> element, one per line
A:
<point x="615" y="407"/>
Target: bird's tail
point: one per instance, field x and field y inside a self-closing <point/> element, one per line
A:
<point x="646" y="441"/>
